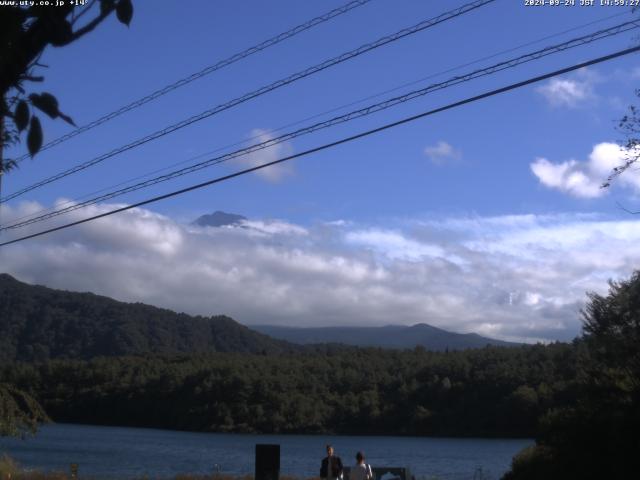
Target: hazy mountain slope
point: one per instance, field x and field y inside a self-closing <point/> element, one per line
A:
<point x="38" y="323"/>
<point x="391" y="336"/>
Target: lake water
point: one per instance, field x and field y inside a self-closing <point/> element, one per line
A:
<point x="110" y="452"/>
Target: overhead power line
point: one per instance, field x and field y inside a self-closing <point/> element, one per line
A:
<point x="205" y="71"/>
<point x="76" y="200"/>
<point x="451" y="14"/>
<point x="326" y="146"/>
<point x="374" y="108"/>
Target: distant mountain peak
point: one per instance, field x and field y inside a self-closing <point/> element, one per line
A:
<point x="388" y="336"/>
<point x="219" y="219"/>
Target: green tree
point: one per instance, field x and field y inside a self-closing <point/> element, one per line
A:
<point x="20" y="413"/>
<point x="597" y="435"/>
<point x="612" y="330"/>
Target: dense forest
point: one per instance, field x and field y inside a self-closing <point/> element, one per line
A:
<point x="494" y="391"/>
<point x="39" y="323"/>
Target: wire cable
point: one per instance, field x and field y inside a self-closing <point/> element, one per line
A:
<point x="451" y="14"/>
<point x="374" y="108"/>
<point x="344" y="140"/>
<point x="205" y="71"/>
<point x="317" y="115"/>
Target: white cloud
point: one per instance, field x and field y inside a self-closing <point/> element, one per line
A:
<point x="570" y="92"/>
<point x="338" y="223"/>
<point x="514" y="277"/>
<point x="568" y="177"/>
<point x="442" y="153"/>
<point x="584" y="179"/>
<point x="271" y="227"/>
<point x="393" y="244"/>
<point x="274" y="173"/>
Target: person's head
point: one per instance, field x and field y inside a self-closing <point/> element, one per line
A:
<point x="329" y="450"/>
<point x="360" y="457"/>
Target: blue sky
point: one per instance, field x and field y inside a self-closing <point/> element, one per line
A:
<point x="511" y="181"/>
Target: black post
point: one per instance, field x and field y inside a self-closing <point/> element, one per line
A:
<point x="2" y="113"/>
<point x="267" y="462"/>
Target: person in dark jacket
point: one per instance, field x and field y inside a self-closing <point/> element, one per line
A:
<point x="331" y="467"/>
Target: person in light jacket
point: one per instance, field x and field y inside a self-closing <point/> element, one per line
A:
<point x="362" y="470"/>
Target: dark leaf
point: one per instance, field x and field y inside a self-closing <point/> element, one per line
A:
<point x="106" y="6"/>
<point x="61" y="33"/>
<point x="124" y="11"/>
<point x="21" y="115"/>
<point x="34" y="138"/>
<point x="14" y="15"/>
<point x="45" y="102"/>
<point x="67" y="118"/>
<point x="49" y="105"/>
<point x="37" y="11"/>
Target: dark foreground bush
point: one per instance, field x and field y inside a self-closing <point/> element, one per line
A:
<point x="597" y="435"/>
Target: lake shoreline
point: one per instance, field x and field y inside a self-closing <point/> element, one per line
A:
<point x="488" y="436"/>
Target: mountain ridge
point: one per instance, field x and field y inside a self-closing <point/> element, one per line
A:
<point x="388" y="336"/>
<point x="38" y="323"/>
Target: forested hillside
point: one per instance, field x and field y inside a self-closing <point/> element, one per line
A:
<point x="486" y="392"/>
<point x="39" y="323"/>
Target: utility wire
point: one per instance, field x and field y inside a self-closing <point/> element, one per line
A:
<point x="374" y="108"/>
<point x="261" y="91"/>
<point x="326" y="146"/>
<point x="317" y="115"/>
<point x="205" y="71"/>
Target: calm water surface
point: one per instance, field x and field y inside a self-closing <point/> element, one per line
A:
<point x="109" y="452"/>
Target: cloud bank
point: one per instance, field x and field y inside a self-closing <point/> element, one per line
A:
<point x="510" y="277"/>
